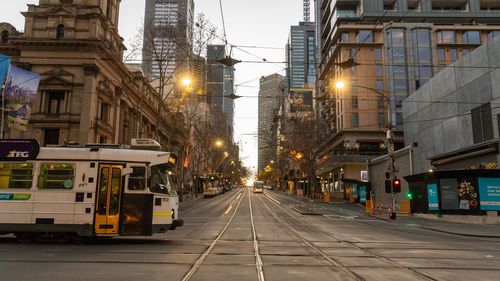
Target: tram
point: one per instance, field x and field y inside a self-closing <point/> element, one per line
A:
<point x="258" y="187"/>
<point x="86" y="191"/>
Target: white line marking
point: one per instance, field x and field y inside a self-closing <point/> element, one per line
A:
<point x="228" y="209"/>
<point x="275" y="201"/>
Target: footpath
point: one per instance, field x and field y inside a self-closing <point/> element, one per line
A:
<point x="429" y="222"/>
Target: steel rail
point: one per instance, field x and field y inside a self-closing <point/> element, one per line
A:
<point x="350" y="244"/>
<point x="202" y="258"/>
<point x="331" y="260"/>
<point x="258" y="258"/>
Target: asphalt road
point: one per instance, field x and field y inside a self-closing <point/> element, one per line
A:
<point x="245" y="236"/>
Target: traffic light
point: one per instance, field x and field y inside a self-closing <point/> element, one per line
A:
<point x="396" y="185"/>
<point x="388" y="186"/>
<point x="409" y="195"/>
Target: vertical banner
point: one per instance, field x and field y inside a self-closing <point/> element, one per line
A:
<point x="362" y="194"/>
<point x="4" y="67"/>
<point x="20" y="90"/>
<point x="432" y="197"/>
<point x="4" y="71"/>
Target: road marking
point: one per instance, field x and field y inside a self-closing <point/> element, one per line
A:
<point x="228" y="209"/>
<point x="238" y="197"/>
<point x="275" y="201"/>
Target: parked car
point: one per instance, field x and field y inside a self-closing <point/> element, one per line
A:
<point x="210" y="192"/>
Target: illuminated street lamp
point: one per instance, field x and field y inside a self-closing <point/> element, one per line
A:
<point x="219" y="143"/>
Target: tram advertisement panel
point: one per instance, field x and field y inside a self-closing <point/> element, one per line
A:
<point x="15" y="150"/>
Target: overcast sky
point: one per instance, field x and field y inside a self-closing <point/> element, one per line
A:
<point x="261" y="23"/>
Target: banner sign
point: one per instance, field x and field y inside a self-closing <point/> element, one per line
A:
<point x="15" y="150"/>
<point x="4" y="67"/>
<point x="301" y="100"/>
<point x="362" y="194"/>
<point x="489" y="193"/>
<point x="20" y="90"/>
<point x="15" y="196"/>
<point x="432" y="197"/>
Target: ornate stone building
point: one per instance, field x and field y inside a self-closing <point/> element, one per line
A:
<point x="86" y="93"/>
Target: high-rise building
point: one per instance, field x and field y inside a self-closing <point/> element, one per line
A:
<point x="220" y="83"/>
<point x="270" y="97"/>
<point x="382" y="51"/>
<point x="167" y="36"/>
<point x="300" y="55"/>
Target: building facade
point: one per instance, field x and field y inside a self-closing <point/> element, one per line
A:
<point x="453" y="121"/>
<point x="167" y="37"/>
<point x="269" y="103"/>
<point x="220" y="83"/>
<point x="300" y="56"/>
<point x="86" y="93"/>
<point x="383" y="51"/>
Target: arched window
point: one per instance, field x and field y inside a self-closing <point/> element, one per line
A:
<point x="5" y="36"/>
<point x="60" y="31"/>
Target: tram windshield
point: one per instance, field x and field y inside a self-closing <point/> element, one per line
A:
<point x="160" y="180"/>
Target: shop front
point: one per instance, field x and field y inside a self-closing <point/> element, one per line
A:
<point x="464" y="192"/>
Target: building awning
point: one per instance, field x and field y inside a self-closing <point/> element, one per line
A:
<point x="464" y="158"/>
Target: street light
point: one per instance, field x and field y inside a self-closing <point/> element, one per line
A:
<point x="219" y="143"/>
<point x="389" y="136"/>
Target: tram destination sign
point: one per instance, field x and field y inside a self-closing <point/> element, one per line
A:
<point x="18" y="149"/>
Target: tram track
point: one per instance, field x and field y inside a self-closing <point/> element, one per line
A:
<point x="258" y="259"/>
<point x="197" y="206"/>
<point x="343" y="241"/>
<point x="203" y="256"/>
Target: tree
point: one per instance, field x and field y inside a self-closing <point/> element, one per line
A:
<point x="300" y="143"/>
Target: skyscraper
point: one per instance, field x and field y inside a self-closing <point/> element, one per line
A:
<point x="270" y="96"/>
<point x="382" y="51"/>
<point x="167" y="36"/>
<point x="220" y="83"/>
<point x="301" y="68"/>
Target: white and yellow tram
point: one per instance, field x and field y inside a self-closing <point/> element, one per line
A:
<point x="86" y="191"/>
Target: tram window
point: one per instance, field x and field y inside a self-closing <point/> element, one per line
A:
<point x="137" y="180"/>
<point x="16" y="175"/>
<point x="56" y="176"/>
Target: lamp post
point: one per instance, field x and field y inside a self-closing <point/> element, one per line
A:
<point x="389" y="137"/>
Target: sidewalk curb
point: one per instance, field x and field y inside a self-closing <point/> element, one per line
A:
<point x="460" y="234"/>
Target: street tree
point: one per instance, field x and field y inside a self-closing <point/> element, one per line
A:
<point x="300" y="143"/>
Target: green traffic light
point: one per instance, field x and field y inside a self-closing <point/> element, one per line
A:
<point x="409" y="195"/>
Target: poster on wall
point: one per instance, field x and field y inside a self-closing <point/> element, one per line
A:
<point x="467" y="194"/>
<point x="364" y="176"/>
<point x="301" y="100"/>
<point x="432" y="197"/>
<point x="449" y="194"/>
<point x="489" y="192"/>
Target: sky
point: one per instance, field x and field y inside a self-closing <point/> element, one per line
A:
<point x="257" y="23"/>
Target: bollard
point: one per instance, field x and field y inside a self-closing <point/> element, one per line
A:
<point x="310" y="203"/>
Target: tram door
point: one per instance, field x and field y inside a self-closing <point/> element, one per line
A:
<point x="107" y="213"/>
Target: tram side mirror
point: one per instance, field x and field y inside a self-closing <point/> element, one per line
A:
<point x="127" y="171"/>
